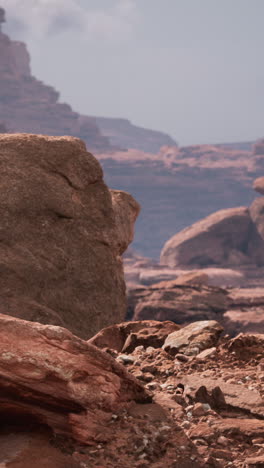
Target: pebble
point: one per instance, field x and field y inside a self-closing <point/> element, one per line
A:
<point x="139" y="348"/>
<point x="181" y="357"/>
<point x="186" y="425"/>
<point x="125" y="359"/>
<point x="222" y="440"/>
<point x="189" y="408"/>
<point x="153" y="386"/>
<point x="199" y="410"/>
<point x="150" y="349"/>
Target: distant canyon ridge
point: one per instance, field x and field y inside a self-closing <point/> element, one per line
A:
<point x="175" y="186"/>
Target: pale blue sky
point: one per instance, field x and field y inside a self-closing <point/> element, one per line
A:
<point x="192" y="68"/>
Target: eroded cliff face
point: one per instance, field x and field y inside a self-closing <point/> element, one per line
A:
<point x="28" y="105"/>
<point x="62" y="235"/>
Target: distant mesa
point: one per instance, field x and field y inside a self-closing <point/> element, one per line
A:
<point x="122" y="133"/>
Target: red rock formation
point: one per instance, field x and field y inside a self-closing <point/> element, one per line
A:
<point x="62" y="235"/>
<point x="62" y="382"/>
<point x="236" y="309"/>
<point x="225" y="238"/>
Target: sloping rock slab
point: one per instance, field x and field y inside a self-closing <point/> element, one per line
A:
<point x="48" y="374"/>
<point x="193" y="338"/>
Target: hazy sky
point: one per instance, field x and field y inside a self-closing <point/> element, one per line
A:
<point x="192" y="68"/>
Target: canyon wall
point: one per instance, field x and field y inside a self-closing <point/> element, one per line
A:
<point x="28" y="105"/>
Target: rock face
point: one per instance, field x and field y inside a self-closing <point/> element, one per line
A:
<point x="28" y="105"/>
<point x="61" y="235"/>
<point x="49" y="375"/>
<point x="124" y="134"/>
<point x="225" y="238"/>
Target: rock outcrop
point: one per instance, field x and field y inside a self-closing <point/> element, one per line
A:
<point x="193" y="338"/>
<point x="62" y="235"/>
<point x="225" y="238"/>
<point x="237" y="309"/>
<point x="181" y="304"/>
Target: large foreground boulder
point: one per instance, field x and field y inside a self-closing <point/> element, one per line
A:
<point x="60" y="381"/>
<point x="225" y="238"/>
<point x="62" y="234"/>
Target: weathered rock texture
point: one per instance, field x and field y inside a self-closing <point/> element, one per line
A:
<point x="49" y="375"/>
<point x="28" y="105"/>
<point x="225" y="238"/>
<point x="61" y="235"/>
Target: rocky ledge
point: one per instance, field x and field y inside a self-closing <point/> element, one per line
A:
<point x="137" y="394"/>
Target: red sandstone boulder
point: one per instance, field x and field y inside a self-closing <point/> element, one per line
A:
<point x="225" y="238"/>
<point x="62" y="235"/>
<point x="48" y="374"/>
